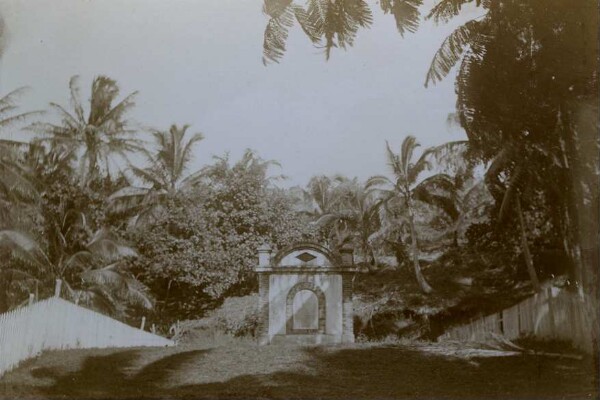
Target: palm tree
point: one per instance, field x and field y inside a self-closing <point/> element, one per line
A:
<point x="400" y="194"/>
<point x="15" y="185"/>
<point x="320" y="195"/>
<point x="319" y="198"/>
<point x="511" y="193"/>
<point x="469" y="203"/>
<point x="93" y="272"/>
<point x="98" y="137"/>
<point x="353" y="216"/>
<point x="165" y="175"/>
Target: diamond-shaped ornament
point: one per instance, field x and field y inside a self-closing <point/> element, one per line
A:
<point x="305" y="257"/>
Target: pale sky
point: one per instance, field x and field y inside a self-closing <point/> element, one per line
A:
<point x="199" y="62"/>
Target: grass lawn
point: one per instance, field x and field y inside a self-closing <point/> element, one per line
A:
<point x="244" y="370"/>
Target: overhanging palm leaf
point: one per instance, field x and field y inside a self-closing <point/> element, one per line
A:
<point x="8" y="105"/>
<point x="405" y="12"/>
<point x="105" y="244"/>
<point x="445" y="10"/>
<point x="282" y="14"/>
<point x="25" y="249"/>
<point x="452" y="49"/>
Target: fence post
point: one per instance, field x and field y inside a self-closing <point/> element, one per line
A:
<point x="143" y="323"/>
<point x="57" y="288"/>
<point x="31" y="295"/>
<point x="551" y="313"/>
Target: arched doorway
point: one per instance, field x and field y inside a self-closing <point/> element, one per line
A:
<point x="305" y="309"/>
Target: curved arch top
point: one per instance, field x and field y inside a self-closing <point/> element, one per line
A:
<point x="305" y="254"/>
<point x="321" y="308"/>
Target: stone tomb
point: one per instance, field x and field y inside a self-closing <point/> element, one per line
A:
<point x="305" y="295"/>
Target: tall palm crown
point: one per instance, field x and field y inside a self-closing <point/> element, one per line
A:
<point x="171" y="160"/>
<point x="319" y="197"/>
<point x="102" y="135"/>
<point x="352" y="216"/>
<point x="165" y="175"/>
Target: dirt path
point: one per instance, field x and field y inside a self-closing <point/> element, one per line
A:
<point x="248" y="371"/>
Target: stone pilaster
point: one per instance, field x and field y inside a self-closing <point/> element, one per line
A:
<point x="263" y="308"/>
<point x="347" y="310"/>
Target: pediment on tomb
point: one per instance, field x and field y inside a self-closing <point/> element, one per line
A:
<point x="306" y="255"/>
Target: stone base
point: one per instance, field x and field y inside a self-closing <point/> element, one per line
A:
<point x="348" y="338"/>
<point x="307" y="339"/>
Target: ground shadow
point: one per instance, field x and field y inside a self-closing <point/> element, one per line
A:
<point x="395" y="372"/>
<point x="357" y="373"/>
<point x="110" y="376"/>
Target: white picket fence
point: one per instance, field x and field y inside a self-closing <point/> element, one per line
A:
<point x="550" y="314"/>
<point x="55" y="324"/>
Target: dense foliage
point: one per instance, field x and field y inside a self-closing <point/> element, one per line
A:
<point x="203" y="245"/>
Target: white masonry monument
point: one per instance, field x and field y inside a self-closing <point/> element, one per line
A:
<point x="305" y="295"/>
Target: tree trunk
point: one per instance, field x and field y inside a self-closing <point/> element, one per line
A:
<point x="425" y="288"/>
<point x="579" y="132"/>
<point x="525" y="246"/>
<point x="399" y="251"/>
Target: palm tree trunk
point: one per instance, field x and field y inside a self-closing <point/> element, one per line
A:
<point x="525" y="247"/>
<point x="425" y="288"/>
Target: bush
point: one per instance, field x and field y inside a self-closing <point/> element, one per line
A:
<point x="238" y="316"/>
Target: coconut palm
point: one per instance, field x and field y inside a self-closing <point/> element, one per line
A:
<point x="353" y="216"/>
<point x="92" y="272"/>
<point x="511" y="193"/>
<point x="15" y="185"/>
<point x="470" y="201"/>
<point x="165" y="175"/>
<point x="400" y="194"/>
<point x="319" y="197"/>
<point x="98" y="137"/>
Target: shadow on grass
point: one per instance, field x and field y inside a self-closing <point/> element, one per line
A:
<point x="109" y="377"/>
<point x="383" y="372"/>
<point x="393" y="372"/>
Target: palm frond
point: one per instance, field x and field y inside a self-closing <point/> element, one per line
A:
<point x="126" y="199"/>
<point x="107" y="245"/>
<point x="438" y="182"/>
<point x="24" y="248"/>
<point x="76" y="98"/>
<point x="452" y="49"/>
<point x="9" y="121"/>
<point x="80" y="261"/>
<point x="446" y="204"/>
<point x="445" y="10"/>
<point x="98" y="298"/>
<point x="405" y="12"/>
<point x="68" y="118"/>
<point x="276" y="32"/>
<point x="149" y="175"/>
